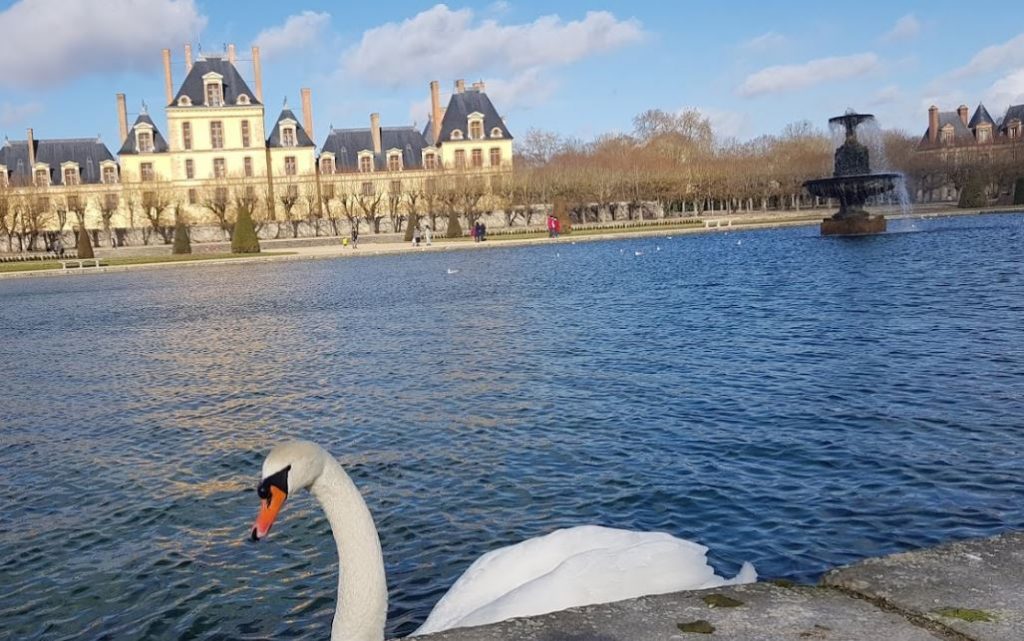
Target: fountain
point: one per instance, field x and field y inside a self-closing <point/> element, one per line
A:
<point x="852" y="183"/>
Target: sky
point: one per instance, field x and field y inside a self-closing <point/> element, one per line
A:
<point x="577" y="68"/>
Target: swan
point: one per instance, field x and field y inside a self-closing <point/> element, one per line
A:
<point x="570" y="567"/>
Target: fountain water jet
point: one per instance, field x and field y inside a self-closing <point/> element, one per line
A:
<point x="852" y="184"/>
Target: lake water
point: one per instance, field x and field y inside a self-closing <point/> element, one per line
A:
<point x="796" y="401"/>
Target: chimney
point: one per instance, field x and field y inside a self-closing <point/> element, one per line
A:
<point x="375" y="132"/>
<point x="188" y="58"/>
<point x="435" y="109"/>
<point x="257" y="76"/>
<point x="122" y="118"/>
<point x="962" y="112"/>
<point x="460" y="86"/>
<point x="307" y="110"/>
<point x="478" y="86"/>
<point x="168" y="86"/>
<point x="31" y="152"/>
<point x="933" y="124"/>
<point x="232" y="56"/>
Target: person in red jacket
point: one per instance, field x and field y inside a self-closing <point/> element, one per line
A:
<point x="558" y="227"/>
<point x="551" y="226"/>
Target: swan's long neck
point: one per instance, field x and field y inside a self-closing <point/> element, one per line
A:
<point x="362" y="588"/>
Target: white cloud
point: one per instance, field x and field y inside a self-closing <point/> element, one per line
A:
<point x="298" y="31"/>
<point x="12" y="114"/>
<point x="886" y="95"/>
<point x="906" y="28"/>
<point x="790" y="77"/>
<point x="765" y="42"/>
<point x="726" y="124"/>
<point x="1008" y="90"/>
<point x="1001" y="56"/>
<point x="49" y="42"/>
<point x="440" y="42"/>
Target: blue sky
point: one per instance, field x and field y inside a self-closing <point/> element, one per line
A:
<point x="578" y="68"/>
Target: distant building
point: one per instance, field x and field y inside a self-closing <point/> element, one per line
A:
<point x="949" y="130"/>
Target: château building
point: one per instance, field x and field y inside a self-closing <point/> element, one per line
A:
<point x="215" y="148"/>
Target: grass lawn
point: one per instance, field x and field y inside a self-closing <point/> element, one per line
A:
<point x="32" y="266"/>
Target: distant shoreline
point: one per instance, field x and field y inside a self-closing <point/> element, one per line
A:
<point x="718" y="221"/>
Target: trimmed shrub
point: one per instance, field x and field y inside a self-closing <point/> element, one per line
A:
<point x="973" y="194"/>
<point x="245" y="240"/>
<point x="182" y="242"/>
<point x="84" y="244"/>
<point x="454" y="228"/>
<point x="1018" y="192"/>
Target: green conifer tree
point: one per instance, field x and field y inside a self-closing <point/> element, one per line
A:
<point x="1018" y="192"/>
<point x="84" y="244"/>
<point x="973" y="193"/>
<point x="245" y="240"/>
<point x="182" y="242"/>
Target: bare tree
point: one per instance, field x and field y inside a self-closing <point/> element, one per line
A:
<point x="216" y="197"/>
<point x="288" y="196"/>
<point x="369" y="200"/>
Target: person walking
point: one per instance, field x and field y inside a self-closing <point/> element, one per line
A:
<point x="58" y="247"/>
<point x="429" y="234"/>
<point x="483" y="231"/>
<point x="416" y="237"/>
<point x="475" y="232"/>
<point x="558" y="226"/>
<point x="355" y="237"/>
<point x="551" y="226"/>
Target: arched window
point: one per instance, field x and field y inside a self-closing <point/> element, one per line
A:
<point x="242" y="99"/>
<point x="496" y="133"/>
<point x="456" y="134"/>
<point x="184" y="101"/>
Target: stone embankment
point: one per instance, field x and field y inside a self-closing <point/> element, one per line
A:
<point x="966" y="591"/>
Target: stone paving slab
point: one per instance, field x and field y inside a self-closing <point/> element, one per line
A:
<point x="958" y="585"/>
<point x="767" y="613"/>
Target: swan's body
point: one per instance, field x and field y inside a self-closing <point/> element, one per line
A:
<point x="567" y="568"/>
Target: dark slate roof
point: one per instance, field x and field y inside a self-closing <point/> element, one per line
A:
<point x="87" y="152"/>
<point x="346" y="144"/>
<point x="961" y="134"/>
<point x="234" y="85"/>
<point x="1015" y="112"/>
<point x="130" y="145"/>
<point x="465" y="103"/>
<point x="301" y="136"/>
<point x="980" y="117"/>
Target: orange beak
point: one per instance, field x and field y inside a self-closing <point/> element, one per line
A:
<point x="268" y="512"/>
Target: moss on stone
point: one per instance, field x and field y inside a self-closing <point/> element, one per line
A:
<point x="783" y="583"/>
<point x="699" y="626"/>
<point x="721" y="601"/>
<point x="966" y="614"/>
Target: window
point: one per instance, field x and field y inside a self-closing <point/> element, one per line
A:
<point x="460" y="158"/>
<point x="457" y="134"/>
<point x="430" y="184"/>
<point x="146" y="172"/>
<point x="71" y="175"/>
<point x="293" y="191"/>
<point x="186" y="136"/>
<point x="74" y="204"/>
<point x="220" y="196"/>
<point x="394" y="162"/>
<point x="327" y="191"/>
<point x="365" y="164"/>
<point x="250" y="193"/>
<point x="193" y="196"/>
<point x="247" y="166"/>
<point x="984" y="134"/>
<point x="214" y="94"/>
<point x="246" y="138"/>
<point x="288" y="136"/>
<point x="219" y="168"/>
<point x="42" y="177"/>
<point x="1014" y="129"/>
<point x="367" y="189"/>
<point x="476" y="130"/>
<point x="217" y="134"/>
<point x="42" y="203"/>
<point x="396" y="187"/>
<point x="145" y="140"/>
<point x="496" y="133"/>
<point x="242" y="99"/>
<point x="327" y="165"/>
<point x="184" y="101"/>
<point x="289" y="166"/>
<point x="478" y="157"/>
<point x="109" y="174"/>
<point x="190" y="169"/>
<point x="947" y="135"/>
<point x="430" y="161"/>
<point x="110" y="202"/>
<point x="495" y="156"/>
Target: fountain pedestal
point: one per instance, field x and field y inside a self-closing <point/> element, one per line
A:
<point x="853" y="226"/>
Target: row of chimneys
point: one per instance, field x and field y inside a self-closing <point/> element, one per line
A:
<point x="933" y="120"/>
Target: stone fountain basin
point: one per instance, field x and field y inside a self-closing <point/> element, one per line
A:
<point x="853" y="189"/>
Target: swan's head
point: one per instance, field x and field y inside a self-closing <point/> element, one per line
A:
<point x="289" y="467"/>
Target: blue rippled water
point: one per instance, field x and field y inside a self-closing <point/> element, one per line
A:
<point x="795" y="401"/>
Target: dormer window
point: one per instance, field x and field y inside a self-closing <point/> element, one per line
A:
<point x="288" y="136"/>
<point x="1013" y="131"/>
<point x="476" y="129"/>
<point x="946" y="135"/>
<point x="242" y="99"/>
<point x="184" y="101"/>
<point x="70" y="174"/>
<point x="327" y="165"/>
<point x="213" y="89"/>
<point x="430" y="160"/>
<point x="3" y="175"/>
<point x="984" y="133"/>
<point x="365" y="162"/>
<point x="456" y="134"/>
<point x="41" y="177"/>
<point x="496" y="133"/>
<point x="394" y="161"/>
<point x="108" y="173"/>
<point x="144" y="141"/>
